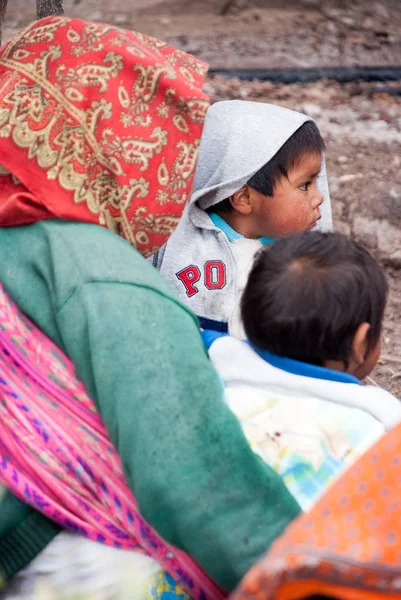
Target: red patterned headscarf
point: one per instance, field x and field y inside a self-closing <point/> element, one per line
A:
<point x="348" y="546"/>
<point x="98" y="124"/>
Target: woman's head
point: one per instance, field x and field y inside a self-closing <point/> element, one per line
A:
<point x="317" y="298"/>
<point x="100" y="125"/>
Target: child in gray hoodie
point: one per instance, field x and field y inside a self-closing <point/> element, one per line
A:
<point x="260" y="175"/>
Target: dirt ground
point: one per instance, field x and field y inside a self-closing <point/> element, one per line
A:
<point x="361" y="122"/>
<point x="252" y="33"/>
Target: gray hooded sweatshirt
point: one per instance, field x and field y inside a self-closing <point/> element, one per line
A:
<point x="205" y="268"/>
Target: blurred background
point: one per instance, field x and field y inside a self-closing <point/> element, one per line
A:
<point x="360" y="120"/>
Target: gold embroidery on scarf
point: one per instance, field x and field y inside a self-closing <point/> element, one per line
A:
<point x="123" y="96"/>
<point x="58" y="96"/>
<point x="136" y="51"/>
<point x="182" y="169"/>
<point x="120" y="196"/>
<point x="142" y="238"/>
<point x="97" y="111"/>
<point x="143" y="91"/>
<point x="121" y="40"/>
<point x="143" y="121"/>
<point x="180" y="123"/>
<point x="122" y="199"/>
<point x="149" y="223"/>
<point x="162" y="173"/>
<point x="74" y="95"/>
<point x="193" y="110"/>
<point x="73" y="36"/>
<point x="28" y="106"/>
<point x="146" y="83"/>
<point x="162" y="197"/>
<point x="21" y="54"/>
<point x="193" y="65"/>
<point x="34" y="34"/>
<point x="26" y="103"/>
<point x="134" y="150"/>
<point x="91" y="75"/>
<point x="187" y="75"/>
<point x="197" y="110"/>
<point x="184" y="164"/>
<point x="90" y="38"/>
<point x="163" y="110"/>
<point x="152" y="43"/>
<point x="41" y="64"/>
<point x="160" y="224"/>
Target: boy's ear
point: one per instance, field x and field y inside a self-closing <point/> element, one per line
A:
<point x="241" y="200"/>
<point x="360" y="343"/>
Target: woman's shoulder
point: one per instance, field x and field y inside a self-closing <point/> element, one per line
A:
<point x="62" y="256"/>
<point x="89" y="254"/>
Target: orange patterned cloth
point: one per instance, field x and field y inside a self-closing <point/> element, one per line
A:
<point x="348" y="546"/>
<point x="100" y="125"/>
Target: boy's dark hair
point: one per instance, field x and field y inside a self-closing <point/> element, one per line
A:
<point x="306" y="140"/>
<point x="308" y="293"/>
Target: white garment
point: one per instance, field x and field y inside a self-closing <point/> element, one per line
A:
<point x="186" y="271"/>
<point x="306" y="428"/>
<point x="72" y="567"/>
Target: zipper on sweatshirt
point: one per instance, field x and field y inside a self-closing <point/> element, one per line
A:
<point x="235" y="279"/>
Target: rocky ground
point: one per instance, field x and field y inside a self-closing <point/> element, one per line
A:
<point x="361" y="122"/>
<point x="252" y="33"/>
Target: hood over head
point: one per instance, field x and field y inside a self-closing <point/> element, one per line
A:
<point x="238" y="139"/>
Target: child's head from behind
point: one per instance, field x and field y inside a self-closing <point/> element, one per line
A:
<point x="318" y="298"/>
<point x="282" y="197"/>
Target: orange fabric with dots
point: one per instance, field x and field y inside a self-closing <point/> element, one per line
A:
<point x="349" y="545"/>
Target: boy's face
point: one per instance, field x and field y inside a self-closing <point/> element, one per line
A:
<point x="294" y="206"/>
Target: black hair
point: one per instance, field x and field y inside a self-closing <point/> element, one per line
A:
<point x="307" y="294"/>
<point x="306" y="140"/>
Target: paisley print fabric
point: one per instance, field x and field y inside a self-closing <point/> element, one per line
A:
<point x="98" y="124"/>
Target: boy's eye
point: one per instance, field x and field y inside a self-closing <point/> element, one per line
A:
<point x="304" y="187"/>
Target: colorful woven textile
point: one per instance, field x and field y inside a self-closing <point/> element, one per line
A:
<point x="55" y="453"/>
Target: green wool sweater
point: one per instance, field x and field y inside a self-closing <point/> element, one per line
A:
<point x="140" y="355"/>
